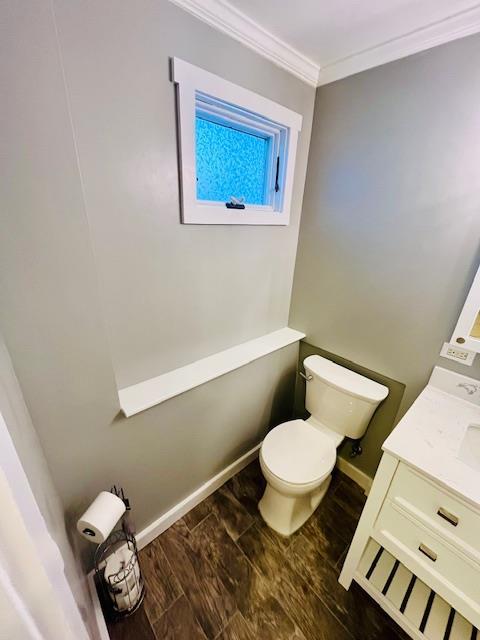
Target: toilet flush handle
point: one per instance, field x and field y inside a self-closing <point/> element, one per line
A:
<point x="307" y="378"/>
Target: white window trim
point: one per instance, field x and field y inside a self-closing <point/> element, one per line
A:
<point x="189" y="80"/>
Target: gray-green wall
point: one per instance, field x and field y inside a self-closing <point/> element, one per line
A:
<point x="391" y="219"/>
<point x="100" y="282"/>
<point x="171" y="293"/>
<point x="101" y="285"/>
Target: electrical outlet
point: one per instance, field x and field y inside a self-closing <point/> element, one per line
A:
<point x="454" y="352"/>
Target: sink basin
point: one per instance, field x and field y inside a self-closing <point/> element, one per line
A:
<point x="469" y="451"/>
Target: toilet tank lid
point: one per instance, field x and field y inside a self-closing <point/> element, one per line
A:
<point x="346" y="380"/>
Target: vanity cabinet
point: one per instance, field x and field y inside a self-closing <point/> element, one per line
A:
<point x="435" y="509"/>
<point x="416" y="551"/>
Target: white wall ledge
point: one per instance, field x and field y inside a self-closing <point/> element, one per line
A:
<point x="149" y="393"/>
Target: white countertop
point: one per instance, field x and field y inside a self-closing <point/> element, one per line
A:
<point x="430" y="434"/>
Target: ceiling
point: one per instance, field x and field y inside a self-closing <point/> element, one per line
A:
<point x="330" y="30"/>
<point x="330" y="39"/>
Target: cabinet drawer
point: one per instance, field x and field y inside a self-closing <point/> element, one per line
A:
<point x="451" y="574"/>
<point x="437" y="509"/>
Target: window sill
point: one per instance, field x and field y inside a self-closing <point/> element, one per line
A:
<point x="149" y="393"/>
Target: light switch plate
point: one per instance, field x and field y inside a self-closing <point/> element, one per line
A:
<point x="456" y="353"/>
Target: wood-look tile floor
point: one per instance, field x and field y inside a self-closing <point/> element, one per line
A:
<point x="220" y="573"/>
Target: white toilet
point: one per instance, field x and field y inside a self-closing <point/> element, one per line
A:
<point x="297" y="457"/>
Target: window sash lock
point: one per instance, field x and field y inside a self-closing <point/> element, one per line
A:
<point x="234" y="205"/>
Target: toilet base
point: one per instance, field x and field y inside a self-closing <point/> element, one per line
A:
<point x="285" y="514"/>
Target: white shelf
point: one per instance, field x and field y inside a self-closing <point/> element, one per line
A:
<point x="144" y="395"/>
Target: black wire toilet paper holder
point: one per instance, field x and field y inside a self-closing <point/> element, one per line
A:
<point x="122" y="590"/>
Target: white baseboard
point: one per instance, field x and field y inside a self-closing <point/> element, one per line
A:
<point x="166" y="520"/>
<point x="161" y="524"/>
<point x="358" y="476"/>
<point x="97" y="609"/>
<point x="158" y="526"/>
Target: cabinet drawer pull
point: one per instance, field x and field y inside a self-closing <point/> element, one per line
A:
<point x="449" y="517"/>
<point x="428" y="552"/>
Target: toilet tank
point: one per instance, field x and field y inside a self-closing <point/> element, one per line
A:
<point x="340" y="399"/>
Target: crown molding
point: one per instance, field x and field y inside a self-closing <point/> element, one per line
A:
<point x="454" y="27"/>
<point x="224" y="17"/>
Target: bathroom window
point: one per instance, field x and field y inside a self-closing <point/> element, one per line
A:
<point x="236" y="151"/>
<point x="231" y="162"/>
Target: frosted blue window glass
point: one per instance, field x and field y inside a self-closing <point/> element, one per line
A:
<point x="230" y="163"/>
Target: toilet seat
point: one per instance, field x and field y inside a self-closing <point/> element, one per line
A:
<point x="295" y="452"/>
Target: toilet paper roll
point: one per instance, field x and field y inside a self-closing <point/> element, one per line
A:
<point x="128" y="601"/>
<point x="116" y="566"/>
<point x="100" y="518"/>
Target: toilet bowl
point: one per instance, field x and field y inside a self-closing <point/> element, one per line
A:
<point x="296" y="461"/>
<point x="297" y="457"/>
